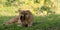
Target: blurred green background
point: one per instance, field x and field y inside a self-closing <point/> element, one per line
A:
<point x="46" y="13"/>
<point x="37" y="7"/>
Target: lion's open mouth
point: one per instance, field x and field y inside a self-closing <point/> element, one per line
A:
<point x="22" y="17"/>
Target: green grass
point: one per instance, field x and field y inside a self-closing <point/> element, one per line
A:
<point x="51" y="22"/>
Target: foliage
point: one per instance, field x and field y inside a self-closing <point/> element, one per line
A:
<point x="32" y="5"/>
<point x="9" y="2"/>
<point x="36" y="1"/>
<point x="44" y="8"/>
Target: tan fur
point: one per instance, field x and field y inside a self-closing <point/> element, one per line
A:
<point x="13" y="20"/>
<point x="28" y="17"/>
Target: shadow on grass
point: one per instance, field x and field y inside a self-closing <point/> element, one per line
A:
<point x="51" y="22"/>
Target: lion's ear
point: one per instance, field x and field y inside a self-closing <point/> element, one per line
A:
<point x="28" y="11"/>
<point x="19" y="10"/>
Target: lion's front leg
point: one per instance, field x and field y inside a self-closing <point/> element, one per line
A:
<point x="19" y="23"/>
<point x="30" y="24"/>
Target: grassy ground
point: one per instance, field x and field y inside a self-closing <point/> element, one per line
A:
<point x="51" y="22"/>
